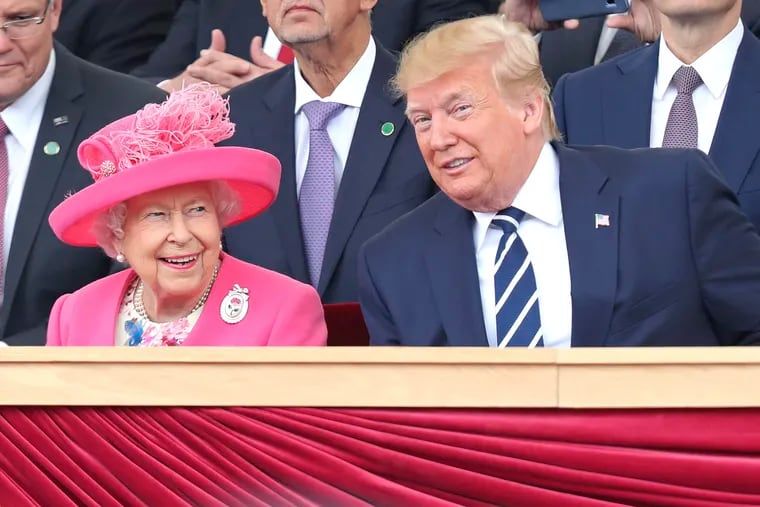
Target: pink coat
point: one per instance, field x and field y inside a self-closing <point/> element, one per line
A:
<point x="281" y="311"/>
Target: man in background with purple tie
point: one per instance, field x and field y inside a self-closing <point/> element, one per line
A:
<point x="531" y="243"/>
<point x="350" y="164"/>
<point x="698" y="86"/>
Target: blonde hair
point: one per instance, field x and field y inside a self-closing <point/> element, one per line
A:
<point x="510" y="46"/>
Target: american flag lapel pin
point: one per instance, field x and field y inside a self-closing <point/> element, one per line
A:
<point x="601" y="220"/>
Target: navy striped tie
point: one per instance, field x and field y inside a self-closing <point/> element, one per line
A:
<point x="518" y="321"/>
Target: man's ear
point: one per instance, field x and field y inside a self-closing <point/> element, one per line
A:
<point x="365" y="5"/>
<point x="54" y="14"/>
<point x="533" y="113"/>
<point x="264" y="7"/>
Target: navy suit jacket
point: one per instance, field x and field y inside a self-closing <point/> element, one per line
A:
<point x="678" y="265"/>
<point x="612" y="104"/>
<point x="40" y="267"/>
<point x="393" y="23"/>
<point x="384" y="178"/>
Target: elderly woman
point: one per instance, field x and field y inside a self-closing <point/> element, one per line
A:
<point x="161" y="196"/>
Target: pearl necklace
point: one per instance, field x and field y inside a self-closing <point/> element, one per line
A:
<point x="140" y="305"/>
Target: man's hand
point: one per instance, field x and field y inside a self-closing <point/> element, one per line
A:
<point x="217" y="44"/>
<point x="223" y="69"/>
<point x="528" y="13"/>
<point x="642" y="19"/>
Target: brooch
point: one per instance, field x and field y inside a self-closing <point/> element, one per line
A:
<point x="234" y="305"/>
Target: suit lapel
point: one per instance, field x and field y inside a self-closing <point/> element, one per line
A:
<point x="366" y="159"/>
<point x="592" y="252"/>
<point x="627" y="107"/>
<point x="734" y="145"/>
<point x="278" y="138"/>
<point x="453" y="272"/>
<point x="45" y="170"/>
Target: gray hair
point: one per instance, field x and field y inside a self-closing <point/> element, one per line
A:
<point x="109" y="225"/>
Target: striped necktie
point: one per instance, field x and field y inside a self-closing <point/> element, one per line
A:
<point x="518" y="322"/>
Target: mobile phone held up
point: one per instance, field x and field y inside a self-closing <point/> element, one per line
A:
<point x="560" y="10"/>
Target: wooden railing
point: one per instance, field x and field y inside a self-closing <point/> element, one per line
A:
<point x="381" y="377"/>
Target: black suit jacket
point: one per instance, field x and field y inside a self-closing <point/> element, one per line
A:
<point x="751" y="15"/>
<point x="394" y="22"/>
<point x="384" y="178"/>
<point x="40" y="267"/>
<point x="564" y="51"/>
<point x="116" y="34"/>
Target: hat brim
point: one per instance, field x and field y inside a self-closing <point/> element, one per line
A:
<point x="252" y="174"/>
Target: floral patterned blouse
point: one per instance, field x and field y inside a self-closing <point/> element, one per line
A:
<point x="136" y="331"/>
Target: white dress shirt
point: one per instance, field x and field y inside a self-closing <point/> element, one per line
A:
<point x="271" y="45"/>
<point x="542" y="230"/>
<point x="23" y="119"/>
<point x="340" y="129"/>
<point x="714" y="67"/>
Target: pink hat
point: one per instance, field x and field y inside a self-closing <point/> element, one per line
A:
<point x="161" y="146"/>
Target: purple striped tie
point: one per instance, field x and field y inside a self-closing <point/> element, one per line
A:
<point x="317" y="197"/>
<point x="682" y="130"/>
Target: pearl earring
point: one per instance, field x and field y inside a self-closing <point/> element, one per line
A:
<point x="121" y="258"/>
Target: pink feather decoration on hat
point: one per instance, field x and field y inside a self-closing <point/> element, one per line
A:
<point x="193" y="118"/>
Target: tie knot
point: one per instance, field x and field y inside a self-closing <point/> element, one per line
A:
<point x="508" y="219"/>
<point x="319" y="113"/>
<point x="686" y="80"/>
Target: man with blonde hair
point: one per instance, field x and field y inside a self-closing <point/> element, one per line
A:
<point x="532" y="243"/>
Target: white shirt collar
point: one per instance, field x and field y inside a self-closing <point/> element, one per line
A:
<point x="30" y="105"/>
<point x="714" y="67"/>
<point x="349" y="92"/>
<point x="539" y="196"/>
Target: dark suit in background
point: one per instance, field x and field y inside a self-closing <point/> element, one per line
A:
<point x="393" y="23"/>
<point x="612" y="104"/>
<point x="117" y="34"/>
<point x="82" y="99"/>
<point x="678" y="267"/>
<point x="751" y="15"/>
<point x="384" y="178"/>
<point x="565" y="51"/>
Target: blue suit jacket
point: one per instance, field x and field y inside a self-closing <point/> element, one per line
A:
<point x="393" y="23"/>
<point x="678" y="265"/>
<point x="384" y="178"/>
<point x="612" y="104"/>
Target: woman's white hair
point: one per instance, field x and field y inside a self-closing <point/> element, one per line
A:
<point x="109" y="225"/>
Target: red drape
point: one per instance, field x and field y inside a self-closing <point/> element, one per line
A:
<point x="300" y="456"/>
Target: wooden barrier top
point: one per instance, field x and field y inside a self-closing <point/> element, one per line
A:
<point x="381" y="377"/>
